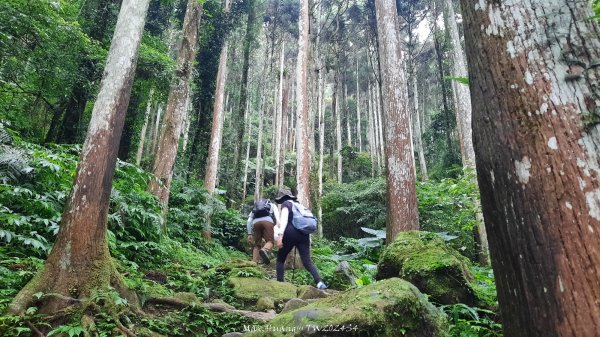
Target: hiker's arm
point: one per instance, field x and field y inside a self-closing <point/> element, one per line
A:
<point x="249" y="223"/>
<point x="280" y="228"/>
<point x="275" y="212"/>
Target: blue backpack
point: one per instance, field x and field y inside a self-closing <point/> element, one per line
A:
<point x="303" y="219"/>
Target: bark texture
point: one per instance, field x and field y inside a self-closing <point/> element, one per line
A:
<point x="401" y="188"/>
<point x="302" y="143"/>
<point x="140" y="150"/>
<point x="534" y="87"/>
<point x="80" y="261"/>
<point x="216" y="135"/>
<point x="175" y="113"/>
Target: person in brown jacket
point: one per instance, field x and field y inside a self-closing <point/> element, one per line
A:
<point x="260" y="226"/>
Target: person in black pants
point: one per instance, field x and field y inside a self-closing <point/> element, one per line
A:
<point x="288" y="237"/>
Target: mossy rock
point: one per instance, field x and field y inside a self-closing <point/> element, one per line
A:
<point x="425" y="260"/>
<point x="265" y="303"/>
<point x="250" y="289"/>
<point x="240" y="268"/>
<point x="387" y="308"/>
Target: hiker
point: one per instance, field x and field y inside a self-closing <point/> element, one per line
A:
<point x="289" y="237"/>
<point x="260" y="226"/>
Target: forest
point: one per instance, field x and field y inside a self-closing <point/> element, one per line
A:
<point x="448" y="150"/>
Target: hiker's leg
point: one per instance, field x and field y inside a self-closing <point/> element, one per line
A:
<point x="268" y="234"/>
<point x="257" y="235"/>
<point x="282" y="254"/>
<point x="255" y="256"/>
<point x="304" y="250"/>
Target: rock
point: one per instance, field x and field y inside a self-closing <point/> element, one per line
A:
<point x="425" y="260"/>
<point x="265" y="303"/>
<point x="293" y="304"/>
<point x="219" y="306"/>
<point x="344" y="273"/>
<point x="309" y="292"/>
<point x="156" y="276"/>
<point x="233" y="334"/>
<point x="388" y="308"/>
<point x="250" y="289"/>
<point x="189" y="298"/>
<point x="256" y="315"/>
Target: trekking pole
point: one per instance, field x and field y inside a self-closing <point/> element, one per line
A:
<point x="294" y="266"/>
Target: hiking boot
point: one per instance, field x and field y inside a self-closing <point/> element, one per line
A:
<point x="265" y="256"/>
<point x="321" y="285"/>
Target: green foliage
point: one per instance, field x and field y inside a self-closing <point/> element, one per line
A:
<point x="37" y="71"/>
<point x="357" y="165"/>
<point x="450" y="205"/>
<point x="596" y="8"/>
<point x="195" y="321"/>
<point x="191" y="205"/>
<point x="348" y="207"/>
<point x="466" y="321"/>
<point x="67" y="330"/>
<point x="15" y="272"/>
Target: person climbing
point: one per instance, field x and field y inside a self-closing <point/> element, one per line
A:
<point x="260" y="226"/>
<point x="289" y="237"/>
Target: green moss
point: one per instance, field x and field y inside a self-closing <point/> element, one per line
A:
<point x="428" y="262"/>
<point x="390" y="307"/>
<point x="250" y="289"/>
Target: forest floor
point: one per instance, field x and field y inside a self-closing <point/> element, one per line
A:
<point x="183" y="282"/>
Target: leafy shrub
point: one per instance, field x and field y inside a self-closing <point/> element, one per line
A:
<point x="450" y="205"/>
<point x="348" y="207"/>
<point x="466" y="321"/>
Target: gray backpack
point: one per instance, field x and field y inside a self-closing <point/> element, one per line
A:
<point x="303" y="219"/>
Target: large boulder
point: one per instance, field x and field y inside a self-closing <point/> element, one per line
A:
<point x="387" y="308"/>
<point x="425" y="260"/>
<point x="250" y="289"/>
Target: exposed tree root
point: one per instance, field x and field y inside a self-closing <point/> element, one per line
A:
<point x="168" y="301"/>
<point x="33" y="328"/>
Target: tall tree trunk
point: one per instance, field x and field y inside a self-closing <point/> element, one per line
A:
<point x="374" y="129"/>
<point x="302" y="143"/>
<point x="185" y="131"/>
<point x="443" y="85"/>
<point x="401" y="188"/>
<point x="321" y="111"/>
<point x="129" y="127"/>
<point x="463" y="116"/>
<point x="534" y="80"/>
<point x="358" y="128"/>
<point x="216" y="135"/>
<point x="347" y="113"/>
<point x="239" y="114"/>
<point x="284" y="132"/>
<point x="80" y="262"/>
<point x="168" y="142"/>
<point x="463" y="97"/>
<point x="249" y="123"/>
<point x="73" y="112"/>
<point x="371" y="132"/>
<point x="338" y="131"/>
<point x="279" y="122"/>
<point x="140" y="150"/>
<point x="258" y="181"/>
<point x="380" y="127"/>
<point x="156" y="129"/>
<point x="418" y="134"/>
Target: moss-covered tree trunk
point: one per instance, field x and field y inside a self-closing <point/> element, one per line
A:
<point x="80" y="261"/>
